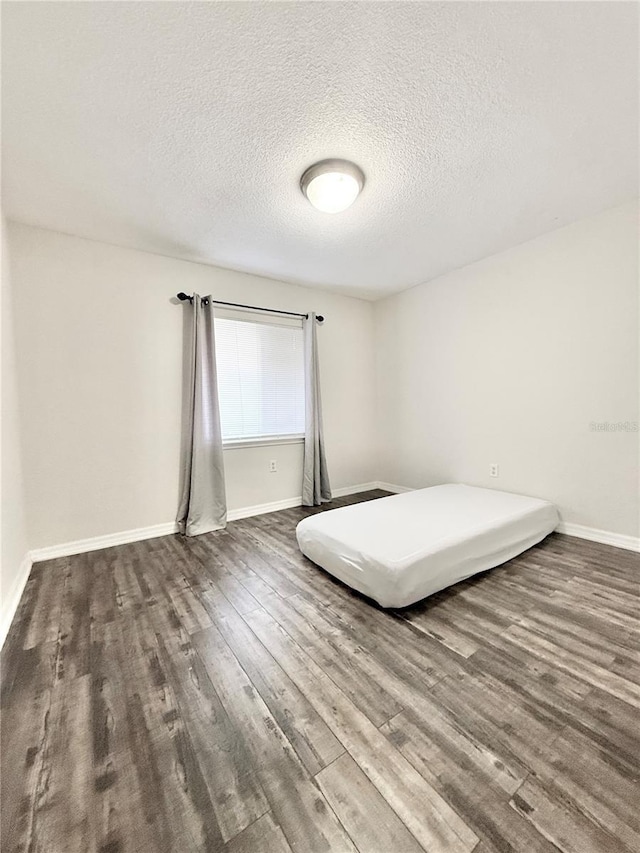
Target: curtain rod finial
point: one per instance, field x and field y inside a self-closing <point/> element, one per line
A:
<point x="183" y="297"/>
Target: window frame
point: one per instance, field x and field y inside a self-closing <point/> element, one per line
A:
<point x="256" y="316"/>
<point x="262" y="441"/>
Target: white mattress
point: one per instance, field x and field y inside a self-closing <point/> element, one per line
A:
<point x="400" y="549"/>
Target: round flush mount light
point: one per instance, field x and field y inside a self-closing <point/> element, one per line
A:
<point x="332" y="185"/>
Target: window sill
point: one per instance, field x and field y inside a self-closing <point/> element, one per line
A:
<point x="265" y="441"/>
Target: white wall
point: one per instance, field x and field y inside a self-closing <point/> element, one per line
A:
<point x="509" y="361"/>
<point x="506" y="361"/>
<point x="14" y="547"/>
<point x="100" y="360"/>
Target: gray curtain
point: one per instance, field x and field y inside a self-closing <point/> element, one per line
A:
<point x="203" y="502"/>
<point x="315" y="478"/>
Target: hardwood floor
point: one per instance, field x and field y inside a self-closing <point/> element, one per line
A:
<point x="221" y="693"/>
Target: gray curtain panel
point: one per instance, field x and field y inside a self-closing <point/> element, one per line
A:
<point x="315" y="477"/>
<point x="203" y="502"/>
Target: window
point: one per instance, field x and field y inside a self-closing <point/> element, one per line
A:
<point x="260" y="378"/>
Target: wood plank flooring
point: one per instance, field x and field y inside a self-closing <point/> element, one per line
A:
<point x="223" y="694"/>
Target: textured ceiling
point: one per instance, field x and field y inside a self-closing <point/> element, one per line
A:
<point x="183" y="128"/>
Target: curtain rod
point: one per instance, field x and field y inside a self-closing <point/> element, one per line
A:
<point x="184" y="297"/>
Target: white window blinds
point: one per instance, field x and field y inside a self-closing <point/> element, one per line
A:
<point x="260" y="378"/>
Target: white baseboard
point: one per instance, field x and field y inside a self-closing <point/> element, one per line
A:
<point x="139" y="534"/>
<point x="605" y="537"/>
<point x="288" y="503"/>
<point x="354" y="490"/>
<point x="262" y="509"/>
<point x="391" y="487"/>
<point x="12" y="600"/>
<point x="96" y="543"/>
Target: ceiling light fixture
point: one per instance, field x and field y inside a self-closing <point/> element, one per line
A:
<point x="332" y="185"/>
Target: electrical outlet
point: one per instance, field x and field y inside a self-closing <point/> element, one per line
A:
<point x="273" y="465"/>
<point x="494" y="470"/>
